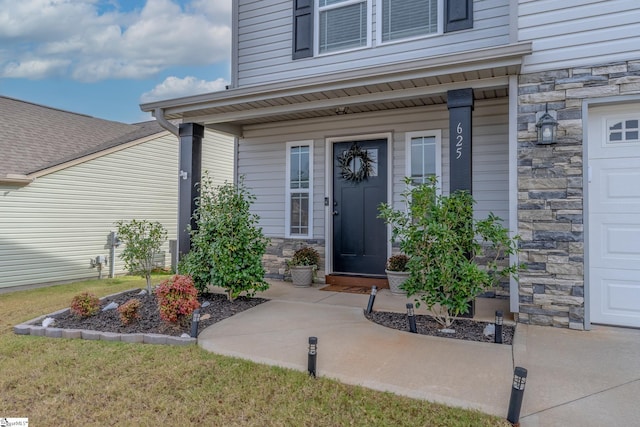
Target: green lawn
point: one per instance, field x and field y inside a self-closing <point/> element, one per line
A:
<point x="77" y="382"/>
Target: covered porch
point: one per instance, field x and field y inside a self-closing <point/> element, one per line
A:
<point x="362" y="102"/>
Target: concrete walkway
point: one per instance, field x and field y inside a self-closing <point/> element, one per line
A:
<point x="575" y="378"/>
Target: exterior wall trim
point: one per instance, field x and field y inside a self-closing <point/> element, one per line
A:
<point x="328" y="229"/>
<point x="235" y="15"/>
<point x="514" y="288"/>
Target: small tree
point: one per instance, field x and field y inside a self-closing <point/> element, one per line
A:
<point x="445" y="244"/>
<point x="142" y="240"/>
<point x="227" y="248"/>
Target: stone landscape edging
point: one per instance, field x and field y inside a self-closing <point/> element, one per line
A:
<point x="31" y="327"/>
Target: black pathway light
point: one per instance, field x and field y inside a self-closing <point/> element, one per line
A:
<point x="372" y="298"/>
<point x="313" y="350"/>
<point x="517" y="393"/>
<point x="411" y="317"/>
<point x="499" y="321"/>
<point x="195" y="320"/>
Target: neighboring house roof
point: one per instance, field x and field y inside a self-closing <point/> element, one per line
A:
<point x="35" y="137"/>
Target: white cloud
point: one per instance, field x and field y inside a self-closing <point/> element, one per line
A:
<point x="174" y="87"/>
<point x="35" y="68"/>
<point x="92" y="46"/>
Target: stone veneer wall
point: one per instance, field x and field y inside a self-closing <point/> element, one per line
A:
<point x="550" y="187"/>
<point x="280" y="250"/>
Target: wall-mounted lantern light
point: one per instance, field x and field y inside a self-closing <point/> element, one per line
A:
<point x="547" y="128"/>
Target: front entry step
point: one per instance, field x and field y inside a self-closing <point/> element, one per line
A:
<point x="360" y="281"/>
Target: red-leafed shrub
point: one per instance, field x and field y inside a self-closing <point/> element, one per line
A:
<point x="129" y="311"/>
<point x="177" y="298"/>
<point x="85" y="304"/>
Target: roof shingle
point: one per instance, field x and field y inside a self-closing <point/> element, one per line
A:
<point x="35" y="137"/>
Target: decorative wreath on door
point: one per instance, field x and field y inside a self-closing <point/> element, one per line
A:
<point x="348" y="163"/>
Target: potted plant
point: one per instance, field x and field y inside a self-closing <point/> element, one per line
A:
<point x="303" y="265"/>
<point x="397" y="273"/>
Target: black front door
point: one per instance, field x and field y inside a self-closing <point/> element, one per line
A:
<point x="359" y="236"/>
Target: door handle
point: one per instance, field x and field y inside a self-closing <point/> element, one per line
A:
<point x="335" y="213"/>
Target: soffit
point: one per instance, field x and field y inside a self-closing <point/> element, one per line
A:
<point x="412" y="84"/>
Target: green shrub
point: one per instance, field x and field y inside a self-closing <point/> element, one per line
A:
<point x="177" y="298"/>
<point x="129" y="311"/>
<point x="227" y="247"/>
<point x="142" y="240"/>
<point x="85" y="304"/>
<point x="444" y="244"/>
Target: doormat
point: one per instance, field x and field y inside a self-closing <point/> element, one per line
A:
<point x="348" y="289"/>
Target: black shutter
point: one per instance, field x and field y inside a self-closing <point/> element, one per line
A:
<point x="302" y="28"/>
<point x="458" y="15"/>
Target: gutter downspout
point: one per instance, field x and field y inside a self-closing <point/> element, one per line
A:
<point x="158" y="113"/>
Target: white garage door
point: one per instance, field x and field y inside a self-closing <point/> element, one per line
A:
<point x="614" y="215"/>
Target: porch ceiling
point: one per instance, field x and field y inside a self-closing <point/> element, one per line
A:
<point x="411" y="84"/>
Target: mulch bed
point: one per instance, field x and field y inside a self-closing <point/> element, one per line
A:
<point x="465" y="329"/>
<point x="219" y="308"/>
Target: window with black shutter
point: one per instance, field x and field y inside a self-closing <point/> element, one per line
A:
<point x="302" y="28"/>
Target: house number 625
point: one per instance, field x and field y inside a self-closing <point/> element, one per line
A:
<point x="459" y="140"/>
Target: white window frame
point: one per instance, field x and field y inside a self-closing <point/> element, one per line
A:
<point x="435" y="133"/>
<point x="379" y="40"/>
<point x="289" y="191"/>
<point x="316" y="26"/>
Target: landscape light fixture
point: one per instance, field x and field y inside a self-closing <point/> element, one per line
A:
<point x="517" y="393"/>
<point x="411" y="316"/>
<point x="498" y="332"/>
<point x="313" y="351"/>
<point x="372" y="298"/>
<point x="547" y="128"/>
<point x="195" y="320"/>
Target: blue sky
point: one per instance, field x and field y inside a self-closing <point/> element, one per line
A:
<point x="104" y="57"/>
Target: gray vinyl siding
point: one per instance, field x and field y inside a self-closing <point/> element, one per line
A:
<point x="264" y="43"/>
<point x="574" y="33"/>
<point x="217" y="157"/>
<point x="52" y="228"/>
<point x="262" y="157"/>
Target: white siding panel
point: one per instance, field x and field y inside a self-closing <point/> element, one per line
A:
<point x="262" y="157"/>
<point x="579" y="32"/>
<point x="265" y="27"/>
<point x="52" y="228"/>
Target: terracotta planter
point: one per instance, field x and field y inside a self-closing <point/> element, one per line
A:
<point x="302" y="275"/>
<point x="397" y="278"/>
